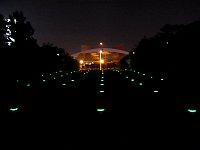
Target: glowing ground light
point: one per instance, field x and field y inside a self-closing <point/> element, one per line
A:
<point x="192" y="110"/>
<point x="28" y="84"/>
<point x="100" y="109"/>
<point x="13" y="109"/>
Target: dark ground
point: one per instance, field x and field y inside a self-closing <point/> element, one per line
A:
<point x="52" y="115"/>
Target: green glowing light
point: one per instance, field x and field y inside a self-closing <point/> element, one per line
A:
<point x="101" y="84"/>
<point x="127" y="77"/>
<point x="192" y="110"/>
<point x="17" y="81"/>
<point x="143" y="74"/>
<point x="132" y="79"/>
<point x="100" y="109"/>
<point x="44" y="80"/>
<point x="102" y="80"/>
<point x="13" y="109"/>
<point x="140" y="83"/>
<point x="28" y="84"/>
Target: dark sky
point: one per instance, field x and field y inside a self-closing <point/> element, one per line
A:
<point x="70" y="23"/>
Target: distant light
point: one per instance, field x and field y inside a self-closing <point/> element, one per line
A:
<point x="155" y="91"/>
<point x="28" y="84"/>
<point x="63" y="84"/>
<point x="72" y="80"/>
<point x="102" y="80"/>
<point x="101" y="84"/>
<point x="132" y="79"/>
<point x="81" y="61"/>
<point x="192" y="110"/>
<point x="161" y="79"/>
<point x="151" y="77"/>
<point x="138" y="72"/>
<point x="133" y="52"/>
<point x="101" y="61"/>
<point x="54" y="78"/>
<point x="58" y="54"/>
<point x="127" y="77"/>
<point x="17" y="81"/>
<point x="167" y="42"/>
<point x="15" y="21"/>
<point x="100" y="109"/>
<point x="102" y="77"/>
<point x="101" y="43"/>
<point x="43" y="80"/>
<point x="143" y="74"/>
<point x="13" y="109"/>
<point x="101" y="91"/>
<point x="140" y="83"/>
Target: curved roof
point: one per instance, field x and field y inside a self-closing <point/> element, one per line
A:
<point x="97" y="50"/>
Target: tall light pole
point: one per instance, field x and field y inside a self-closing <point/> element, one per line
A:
<point x="100" y="55"/>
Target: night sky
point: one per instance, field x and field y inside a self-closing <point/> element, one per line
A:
<point x="70" y="23"/>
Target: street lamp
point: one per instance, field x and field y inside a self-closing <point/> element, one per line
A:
<point x="81" y="64"/>
<point x="100" y="61"/>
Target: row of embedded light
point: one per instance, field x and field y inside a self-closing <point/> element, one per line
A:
<point x="101" y="89"/>
<point x="45" y="77"/>
<point x="156" y="91"/>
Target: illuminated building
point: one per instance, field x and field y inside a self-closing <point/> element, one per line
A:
<point x="90" y="59"/>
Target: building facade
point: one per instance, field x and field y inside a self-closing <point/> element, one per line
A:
<point x="108" y="57"/>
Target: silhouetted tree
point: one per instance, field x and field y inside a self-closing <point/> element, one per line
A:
<point x="2" y="32"/>
<point x="123" y="62"/>
<point x="55" y="58"/>
<point x="21" y="31"/>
